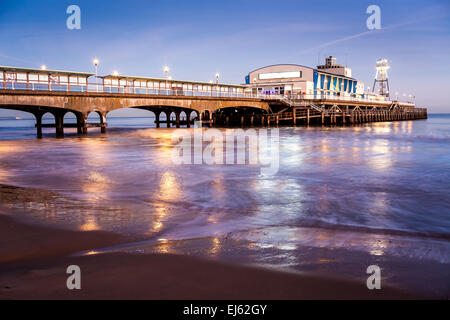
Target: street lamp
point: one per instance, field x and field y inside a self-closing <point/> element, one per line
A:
<point x="115" y="73"/>
<point x="396" y="96"/>
<point x="166" y="71"/>
<point x="217" y="83"/>
<point x="96" y="62"/>
<point x="43" y="67"/>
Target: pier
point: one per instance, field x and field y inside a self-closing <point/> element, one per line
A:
<point x="178" y="103"/>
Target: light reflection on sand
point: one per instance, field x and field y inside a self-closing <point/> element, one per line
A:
<point x="90" y="224"/>
<point x="96" y="186"/>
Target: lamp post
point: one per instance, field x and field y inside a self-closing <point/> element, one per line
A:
<point x="43" y="67"/>
<point x="96" y="62"/>
<point x="166" y="71"/>
<point x="217" y="83"/>
<point x="396" y="96"/>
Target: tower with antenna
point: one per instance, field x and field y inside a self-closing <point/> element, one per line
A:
<point x="381" y="78"/>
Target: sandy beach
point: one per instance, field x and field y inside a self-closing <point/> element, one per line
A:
<point x="34" y="261"/>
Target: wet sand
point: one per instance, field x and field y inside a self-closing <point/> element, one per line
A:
<point x="33" y="262"/>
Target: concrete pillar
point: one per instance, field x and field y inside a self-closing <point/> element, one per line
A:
<point x="177" y="119"/>
<point x="188" y="119"/>
<point x="102" y="122"/>
<point x="59" y="121"/>
<point x="39" y="125"/>
<point x="168" y="113"/>
<point x="82" y="123"/>
<point x="79" y="124"/>
<point x="157" y="114"/>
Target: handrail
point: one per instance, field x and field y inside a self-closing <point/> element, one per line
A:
<point x="303" y="100"/>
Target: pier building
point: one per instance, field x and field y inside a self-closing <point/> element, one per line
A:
<point x="329" y="79"/>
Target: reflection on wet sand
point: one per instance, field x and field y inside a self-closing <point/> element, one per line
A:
<point x="96" y="187"/>
<point x="90" y="225"/>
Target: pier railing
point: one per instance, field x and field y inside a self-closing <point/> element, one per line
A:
<point x="292" y="100"/>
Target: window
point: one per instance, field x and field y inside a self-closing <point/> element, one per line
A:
<point x="21" y="77"/>
<point x="43" y="78"/>
<point x="33" y="78"/>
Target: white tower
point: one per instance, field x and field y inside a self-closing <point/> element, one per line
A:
<point x="381" y="77"/>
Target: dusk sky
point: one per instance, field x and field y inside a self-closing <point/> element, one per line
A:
<point x="199" y="38"/>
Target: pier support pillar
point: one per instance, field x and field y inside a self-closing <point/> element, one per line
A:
<point x="323" y="118"/>
<point x="59" y="122"/>
<point x="102" y="122"/>
<point x="294" y="116"/>
<point x="307" y="116"/>
<point x="82" y="123"/>
<point x="168" y="114"/>
<point x="177" y="119"/>
<point x="157" y="114"/>
<point x="188" y="119"/>
<point x="39" y="124"/>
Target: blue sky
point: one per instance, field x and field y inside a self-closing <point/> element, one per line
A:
<point x="199" y="38"/>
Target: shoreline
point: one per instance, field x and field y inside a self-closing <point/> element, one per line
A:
<point x="34" y="261"/>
